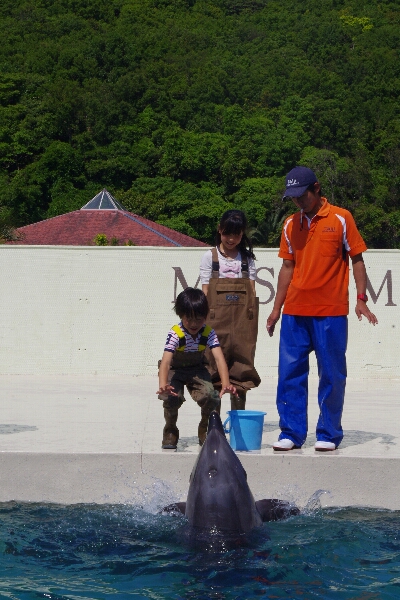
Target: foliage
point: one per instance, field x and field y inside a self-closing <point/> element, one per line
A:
<point x="184" y="108"/>
<point x="267" y="233"/>
<point x="7" y="231"/>
<point x="100" y="240"/>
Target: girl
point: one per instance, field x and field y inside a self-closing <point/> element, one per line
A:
<point x="227" y="274"/>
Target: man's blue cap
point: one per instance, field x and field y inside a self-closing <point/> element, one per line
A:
<point x="298" y="180"/>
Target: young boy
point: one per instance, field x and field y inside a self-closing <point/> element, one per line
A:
<point x="183" y="364"/>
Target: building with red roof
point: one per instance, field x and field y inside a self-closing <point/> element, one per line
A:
<point x="102" y="216"/>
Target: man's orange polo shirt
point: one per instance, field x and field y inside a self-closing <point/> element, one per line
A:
<point x="320" y="283"/>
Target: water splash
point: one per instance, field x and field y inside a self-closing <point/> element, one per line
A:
<point x="157" y="495"/>
<point x="313" y="505"/>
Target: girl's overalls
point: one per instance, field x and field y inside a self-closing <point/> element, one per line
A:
<point x="234" y="316"/>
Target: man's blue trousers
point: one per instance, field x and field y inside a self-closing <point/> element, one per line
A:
<point x="299" y="336"/>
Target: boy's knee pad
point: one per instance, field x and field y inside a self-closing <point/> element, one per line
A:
<point x="173" y="402"/>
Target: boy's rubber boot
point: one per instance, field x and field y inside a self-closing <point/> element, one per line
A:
<point x="239" y="402"/>
<point x="170" y="432"/>
<point x="205" y="415"/>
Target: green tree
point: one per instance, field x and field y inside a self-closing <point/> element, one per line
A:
<point x="181" y="106"/>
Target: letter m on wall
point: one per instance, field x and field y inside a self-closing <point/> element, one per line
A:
<point x="389" y="286"/>
<point x="179" y="276"/>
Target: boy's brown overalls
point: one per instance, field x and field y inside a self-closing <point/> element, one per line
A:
<point x="188" y="369"/>
<point x="234" y="316"/>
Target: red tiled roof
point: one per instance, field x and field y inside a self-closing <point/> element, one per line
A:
<point x="80" y="227"/>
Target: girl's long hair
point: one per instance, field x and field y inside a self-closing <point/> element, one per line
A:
<point x="235" y="222"/>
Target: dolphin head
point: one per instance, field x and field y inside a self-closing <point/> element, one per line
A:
<point x="219" y="498"/>
<point x="214" y="422"/>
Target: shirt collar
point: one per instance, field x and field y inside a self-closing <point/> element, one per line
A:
<point x="186" y="331"/>
<point x="324" y="210"/>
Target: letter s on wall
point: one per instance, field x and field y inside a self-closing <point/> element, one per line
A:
<point x="266" y="284"/>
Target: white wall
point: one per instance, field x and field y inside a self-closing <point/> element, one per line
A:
<point x="71" y="310"/>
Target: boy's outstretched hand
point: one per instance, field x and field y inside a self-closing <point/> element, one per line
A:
<point x="228" y="388"/>
<point x="166" y="389"/>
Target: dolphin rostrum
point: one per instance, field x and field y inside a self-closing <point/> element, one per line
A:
<point x="219" y="498"/>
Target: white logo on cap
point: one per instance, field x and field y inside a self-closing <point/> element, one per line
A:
<point x="292" y="182"/>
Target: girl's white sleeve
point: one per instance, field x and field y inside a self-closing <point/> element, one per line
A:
<point x="206" y="267"/>
<point x="252" y="269"/>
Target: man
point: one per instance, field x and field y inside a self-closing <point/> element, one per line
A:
<point x="316" y="244"/>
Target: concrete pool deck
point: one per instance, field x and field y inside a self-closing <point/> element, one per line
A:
<point x="94" y="438"/>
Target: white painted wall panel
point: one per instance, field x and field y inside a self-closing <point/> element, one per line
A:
<point x="72" y="310"/>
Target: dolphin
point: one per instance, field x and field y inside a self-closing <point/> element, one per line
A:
<point x="219" y="497"/>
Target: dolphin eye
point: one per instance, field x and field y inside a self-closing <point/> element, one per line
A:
<point x="212" y="472"/>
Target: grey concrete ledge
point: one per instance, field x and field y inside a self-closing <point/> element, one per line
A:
<point x="138" y="478"/>
<point x="73" y="439"/>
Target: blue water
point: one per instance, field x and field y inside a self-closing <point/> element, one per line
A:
<point x="122" y="552"/>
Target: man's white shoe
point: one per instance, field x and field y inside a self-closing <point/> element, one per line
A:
<point x="284" y="444"/>
<point x="324" y="446"/>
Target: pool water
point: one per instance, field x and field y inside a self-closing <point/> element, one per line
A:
<point x="117" y="552"/>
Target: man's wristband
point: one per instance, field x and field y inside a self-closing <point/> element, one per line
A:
<point x="362" y="297"/>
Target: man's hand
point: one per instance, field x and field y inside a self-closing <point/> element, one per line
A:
<point x="360" y="277"/>
<point x="362" y="309"/>
<point x="284" y="278"/>
<point x="272" y="321"/>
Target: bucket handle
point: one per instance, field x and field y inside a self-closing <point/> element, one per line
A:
<point x="225" y="428"/>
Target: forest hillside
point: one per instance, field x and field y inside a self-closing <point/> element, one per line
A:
<point x="184" y="108"/>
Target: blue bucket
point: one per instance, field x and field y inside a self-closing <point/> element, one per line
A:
<point x="246" y="427"/>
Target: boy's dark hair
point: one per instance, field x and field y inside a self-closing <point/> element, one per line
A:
<point x="235" y="222"/>
<point x="191" y="303"/>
